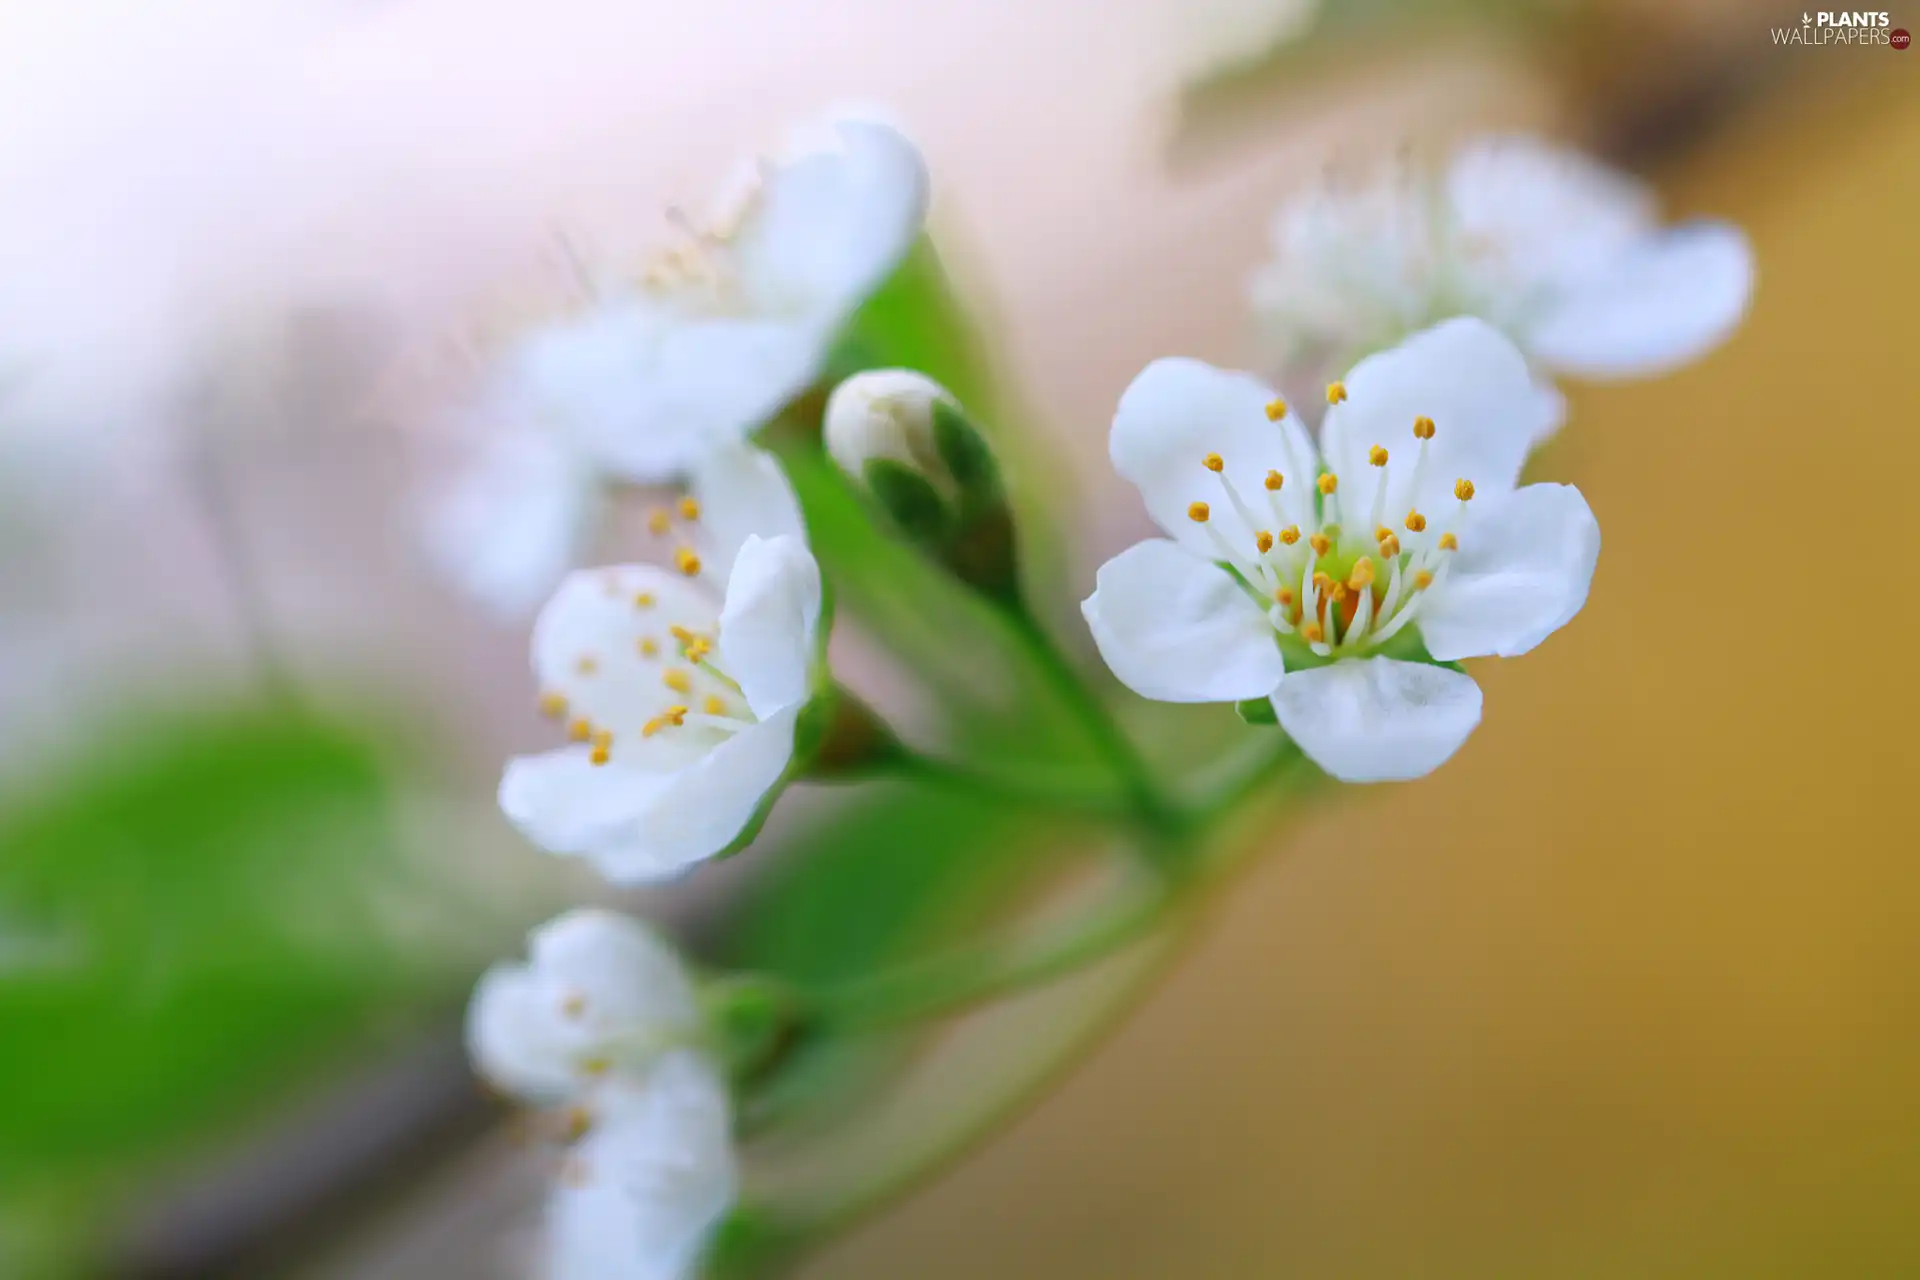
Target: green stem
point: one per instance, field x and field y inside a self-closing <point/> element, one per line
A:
<point x="952" y="983"/>
<point x="1156" y="813"/>
<point x="1030" y="789"/>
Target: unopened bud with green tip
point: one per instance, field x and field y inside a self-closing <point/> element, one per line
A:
<point x="906" y="442"/>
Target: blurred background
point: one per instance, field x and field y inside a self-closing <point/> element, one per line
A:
<point x="1628" y="988"/>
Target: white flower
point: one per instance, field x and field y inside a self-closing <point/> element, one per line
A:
<point x="708" y="345"/>
<point x="680" y="688"/>
<point x="888" y="414"/>
<point x="599" y="994"/>
<point x="1312" y="578"/>
<point x="641" y="1194"/>
<point x="1565" y="257"/>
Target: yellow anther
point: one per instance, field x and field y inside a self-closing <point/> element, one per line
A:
<point x="1422" y="579"/>
<point x="1423" y="428"/>
<point x="687" y="562"/>
<point x="1463" y="490"/>
<point x="1416" y="522"/>
<point x="1382" y="533"/>
<point x="1377" y="456"/>
<point x="1329" y="482"/>
<point x="715" y="705"/>
<point x="649" y="647"/>
<point x="580" y="730"/>
<point x="677" y="680"/>
<point x="675" y="716"/>
<point x="1311" y="633"/>
<point x="1199" y="512"/>
<point x="699" y="649"/>
<point x="689" y="508"/>
<point x="681" y="634"/>
<point x="1323" y="582"/>
<point x="1213" y="462"/>
<point x="644" y="600"/>
<point x="596" y="1066"/>
<point x="653" y="726"/>
<point x="1341" y="592"/>
<point x="659" y="521"/>
<point x="599" y="755"/>
<point x="586" y="664"/>
<point x="1284" y="597"/>
<point x="1320" y="543"/>
<point x="1390" y="546"/>
<point x="1290" y="534"/>
<point x="1276" y="409"/>
<point x="1264" y="541"/>
<point x="553" y="705"/>
<point x="1274" y="481"/>
<point x="1336" y="392"/>
<point x="575" y="1124"/>
<point x="1449" y="543"/>
<point x="1362" y="575"/>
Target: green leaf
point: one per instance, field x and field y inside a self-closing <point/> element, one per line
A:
<point x="200" y="905"/>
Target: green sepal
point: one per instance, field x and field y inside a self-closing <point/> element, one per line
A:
<point x="839" y="736"/>
<point x="910" y="501"/>
<point x="1256" y="711"/>
<point x="753" y="1019"/>
<point x="966" y="455"/>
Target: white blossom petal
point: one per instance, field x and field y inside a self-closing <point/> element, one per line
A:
<point x="1541" y="213"/>
<point x="1178" y="411"/>
<point x="767" y="626"/>
<point x="645" y="390"/>
<point x="701" y="810"/>
<point x="511" y="1037"/>
<point x="1475" y="386"/>
<point x="597" y="986"/>
<point x="742" y="493"/>
<point x="641" y="1195"/>
<point x="1522" y="572"/>
<point x="515" y="520"/>
<point x="570" y="806"/>
<point x="1378" y="719"/>
<point x="1668" y="301"/>
<point x="1177" y="628"/>
<point x="830" y="225"/>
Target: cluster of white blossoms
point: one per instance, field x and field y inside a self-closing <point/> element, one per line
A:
<point x="1328" y="584"/>
<point x="678" y="683"/>
<point x="1565" y="257"/>
<point x="602" y="1028"/>
<point x="707" y="344"/>
<point x="1333" y="580"/>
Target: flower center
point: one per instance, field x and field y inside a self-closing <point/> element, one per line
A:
<point x="1354" y="577"/>
<point x="645" y="676"/>
<point x="701" y="275"/>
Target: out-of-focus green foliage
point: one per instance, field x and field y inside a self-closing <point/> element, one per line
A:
<point x="192" y="922"/>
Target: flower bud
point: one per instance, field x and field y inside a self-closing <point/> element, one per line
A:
<point x="904" y="439"/>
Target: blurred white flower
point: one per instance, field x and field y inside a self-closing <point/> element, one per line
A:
<point x="599" y="994"/>
<point x="1325" y="581"/>
<point x="887" y="415"/>
<point x="680" y="688"/>
<point x="706" y="346"/>
<point x="1565" y="257"/>
<point x="653" y="1175"/>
